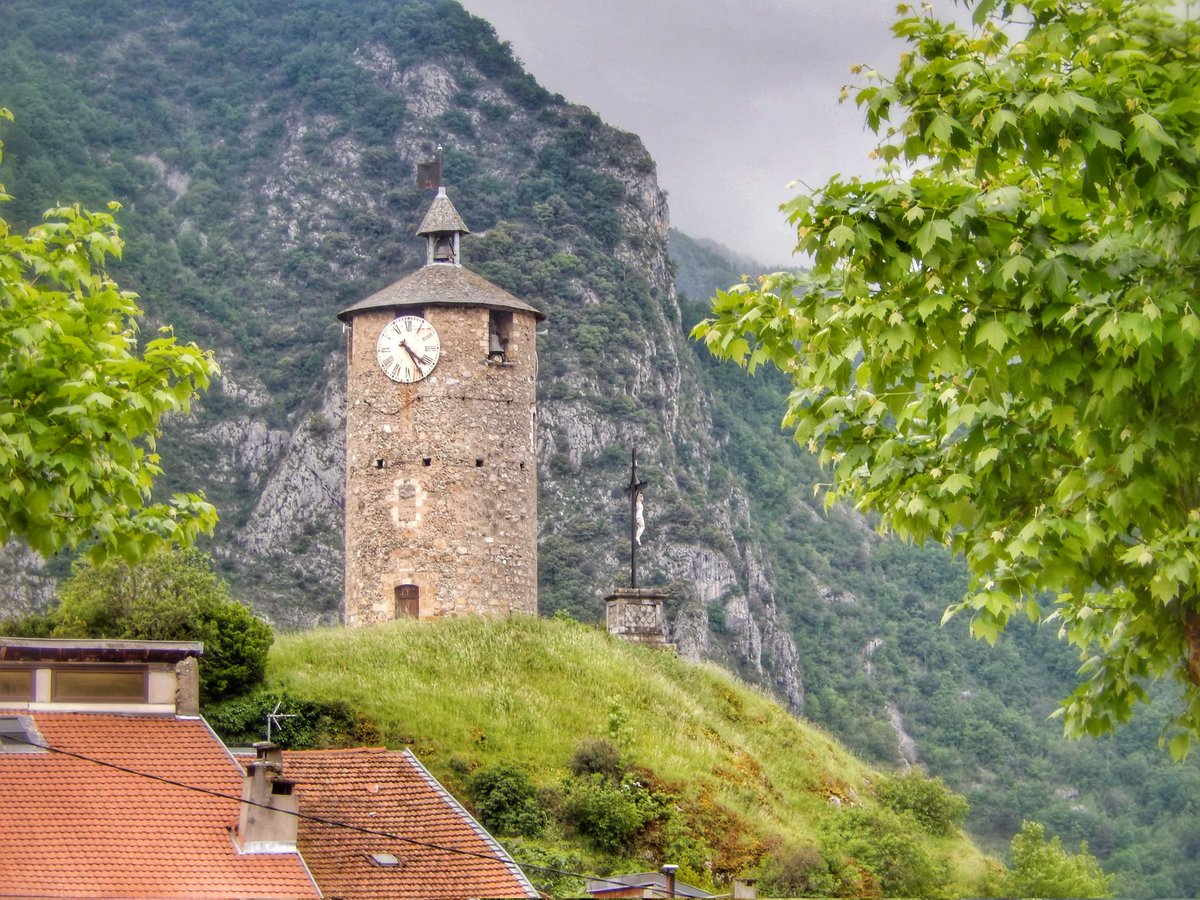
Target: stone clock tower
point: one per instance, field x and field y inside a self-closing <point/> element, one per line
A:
<point x="441" y="468"/>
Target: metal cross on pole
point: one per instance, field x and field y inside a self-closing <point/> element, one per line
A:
<point x="636" y="520"/>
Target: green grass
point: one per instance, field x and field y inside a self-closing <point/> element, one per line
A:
<point x="466" y="693"/>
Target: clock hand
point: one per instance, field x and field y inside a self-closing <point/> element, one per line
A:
<point x="412" y="354"/>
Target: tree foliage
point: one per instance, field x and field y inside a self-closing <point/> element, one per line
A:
<point x="936" y="808"/>
<point x="507" y="801"/>
<point x="996" y="347"/>
<point x="170" y="595"/>
<point x="1042" y="868"/>
<point x="885" y="846"/>
<point x="305" y="723"/>
<point x="80" y="401"/>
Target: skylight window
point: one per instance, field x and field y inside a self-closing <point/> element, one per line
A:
<point x="18" y="734"/>
<point x="385" y="860"/>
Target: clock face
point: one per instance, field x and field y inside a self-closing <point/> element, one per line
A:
<point x="408" y="349"/>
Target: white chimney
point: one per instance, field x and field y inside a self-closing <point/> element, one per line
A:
<point x="268" y="822"/>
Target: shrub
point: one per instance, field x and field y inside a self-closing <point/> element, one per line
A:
<point x="937" y="809"/>
<point x="308" y="724"/>
<point x="1044" y="868"/>
<point x="797" y="871"/>
<point x="884" y="845"/>
<point x="547" y="867"/>
<point x="598" y="756"/>
<point x="507" y="801"/>
<point x="611" y="816"/>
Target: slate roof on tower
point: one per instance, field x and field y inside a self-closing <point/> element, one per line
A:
<point x="441" y="285"/>
<point x="442" y="216"/>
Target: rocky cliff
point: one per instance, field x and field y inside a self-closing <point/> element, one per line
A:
<point x="268" y="180"/>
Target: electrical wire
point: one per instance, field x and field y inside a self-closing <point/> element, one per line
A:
<point x="306" y="816"/>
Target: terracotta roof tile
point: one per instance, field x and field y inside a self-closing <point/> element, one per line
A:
<point x="72" y="828"/>
<point x="391" y="792"/>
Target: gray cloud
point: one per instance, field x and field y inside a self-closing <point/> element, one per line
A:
<point x="733" y="100"/>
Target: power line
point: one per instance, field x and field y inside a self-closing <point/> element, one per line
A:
<point x="300" y="815"/>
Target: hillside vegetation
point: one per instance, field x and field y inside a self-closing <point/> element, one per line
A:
<point x="727" y="781"/>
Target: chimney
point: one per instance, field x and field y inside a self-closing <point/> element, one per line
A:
<point x="745" y="889"/>
<point x="187" y="687"/>
<point x="268" y="822"/>
<point x="670" y="871"/>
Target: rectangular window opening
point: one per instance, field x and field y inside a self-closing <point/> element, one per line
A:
<point x="408" y="601"/>
<point x="98" y="685"/>
<point x="500" y="325"/>
<point x="16" y="684"/>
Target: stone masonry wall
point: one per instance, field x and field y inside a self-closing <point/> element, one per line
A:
<point x="441" y="475"/>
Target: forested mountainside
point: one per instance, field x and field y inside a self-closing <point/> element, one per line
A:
<point x="265" y="156"/>
<point x="265" y="153"/>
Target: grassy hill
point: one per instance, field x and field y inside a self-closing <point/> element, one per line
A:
<point x="724" y="780"/>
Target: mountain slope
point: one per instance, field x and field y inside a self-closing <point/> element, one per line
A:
<point x="267" y="176"/>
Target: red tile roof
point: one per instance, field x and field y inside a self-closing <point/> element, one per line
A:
<point x="391" y="792"/>
<point x="72" y="828"/>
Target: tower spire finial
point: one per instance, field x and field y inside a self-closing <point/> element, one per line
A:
<point x="429" y="174"/>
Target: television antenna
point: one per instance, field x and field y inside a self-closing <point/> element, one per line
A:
<point x="273" y="718"/>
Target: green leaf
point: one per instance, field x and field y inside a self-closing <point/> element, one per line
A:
<point x="1180" y="746"/>
<point x="932" y="231"/>
<point x="957" y="483"/>
<point x="985" y="456"/>
<point x="994" y="334"/>
<point x="1015" y="266"/>
<point x="842" y="234"/>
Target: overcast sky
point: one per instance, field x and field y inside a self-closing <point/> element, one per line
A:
<point x="734" y="100"/>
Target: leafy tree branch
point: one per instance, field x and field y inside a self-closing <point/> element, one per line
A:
<point x="82" y="398"/>
<point x="996" y="348"/>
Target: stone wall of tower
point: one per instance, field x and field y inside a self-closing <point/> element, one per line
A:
<point x="441" y="475"/>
